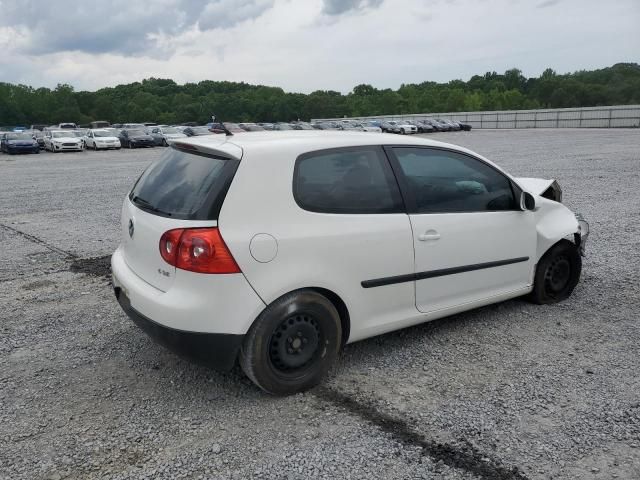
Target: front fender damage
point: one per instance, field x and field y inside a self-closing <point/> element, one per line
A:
<point x="555" y="222"/>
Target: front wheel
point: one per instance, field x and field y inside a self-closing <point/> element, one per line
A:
<point x="557" y="273"/>
<point x="292" y="344"/>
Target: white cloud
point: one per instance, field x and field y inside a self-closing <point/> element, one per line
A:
<point x="283" y="43"/>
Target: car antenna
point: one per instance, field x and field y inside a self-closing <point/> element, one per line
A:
<point x="224" y="127"/>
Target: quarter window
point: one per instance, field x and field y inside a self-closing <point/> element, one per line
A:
<point x="442" y="181"/>
<point x="353" y="180"/>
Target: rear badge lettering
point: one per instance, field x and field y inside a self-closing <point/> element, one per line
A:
<point x="164" y="273"/>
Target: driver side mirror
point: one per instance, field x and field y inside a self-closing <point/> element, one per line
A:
<point x="527" y="201"/>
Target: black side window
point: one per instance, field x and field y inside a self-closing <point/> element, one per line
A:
<point x="442" y="181"/>
<point x="351" y="180"/>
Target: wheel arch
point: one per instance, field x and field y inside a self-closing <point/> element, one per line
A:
<point x="334" y="298"/>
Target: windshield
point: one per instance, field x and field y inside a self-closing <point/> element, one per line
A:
<point x="61" y="134"/>
<point x="78" y="133"/>
<point x="136" y="132"/>
<point x="184" y="185"/>
<point x="200" y="130"/>
<point x="19" y="136"/>
<point x="171" y="130"/>
<point x="102" y="133"/>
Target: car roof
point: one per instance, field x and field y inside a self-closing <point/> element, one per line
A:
<point x="297" y="142"/>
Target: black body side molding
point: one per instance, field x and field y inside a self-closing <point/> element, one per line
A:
<point x="410" y="277"/>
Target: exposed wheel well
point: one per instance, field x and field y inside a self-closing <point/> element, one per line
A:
<point x="345" y="320"/>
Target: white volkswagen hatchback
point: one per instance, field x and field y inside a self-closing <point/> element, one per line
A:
<point x="277" y="248"/>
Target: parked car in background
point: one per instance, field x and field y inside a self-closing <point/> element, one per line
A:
<point x="367" y="127"/>
<point x="267" y="126"/>
<point x="38" y="136"/>
<point x="129" y="126"/>
<point x="301" y="126"/>
<point x="18" y="142"/>
<point x="233" y="127"/>
<point x="423" y="127"/>
<point x="437" y="126"/>
<point x="99" y="124"/>
<point x="62" y="141"/>
<point x="163" y="135"/>
<point x="38" y="126"/>
<point x="282" y="126"/>
<point x="401" y="127"/>
<point x="464" y="126"/>
<point x="452" y="126"/>
<point x="135" y="138"/>
<point x="348" y="126"/>
<point x="464" y="234"/>
<point x="251" y="127"/>
<point x="66" y="125"/>
<point x="101" y="139"/>
<point x="197" y="131"/>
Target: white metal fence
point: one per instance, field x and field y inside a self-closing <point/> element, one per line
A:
<point x="595" y="117"/>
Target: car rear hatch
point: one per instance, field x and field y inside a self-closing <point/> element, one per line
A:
<point x="184" y="189"/>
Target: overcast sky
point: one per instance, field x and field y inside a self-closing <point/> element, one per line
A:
<point x="306" y="45"/>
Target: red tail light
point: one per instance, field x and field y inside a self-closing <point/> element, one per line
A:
<point x="199" y="250"/>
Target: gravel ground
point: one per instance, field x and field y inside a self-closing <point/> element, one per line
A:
<point x="508" y="391"/>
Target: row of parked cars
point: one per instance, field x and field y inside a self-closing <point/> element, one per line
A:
<point x="68" y="137"/>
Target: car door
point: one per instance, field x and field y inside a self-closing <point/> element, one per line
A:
<point x="472" y="242"/>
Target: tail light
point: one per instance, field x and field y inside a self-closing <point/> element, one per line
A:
<point x="200" y="250"/>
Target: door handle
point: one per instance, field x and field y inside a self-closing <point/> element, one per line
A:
<point x="429" y="235"/>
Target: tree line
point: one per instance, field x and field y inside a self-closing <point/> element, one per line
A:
<point x="164" y="101"/>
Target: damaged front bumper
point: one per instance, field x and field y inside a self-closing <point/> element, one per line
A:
<point x="582" y="235"/>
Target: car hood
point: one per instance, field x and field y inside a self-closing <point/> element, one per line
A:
<point x="174" y="135"/>
<point x="20" y="142"/>
<point x="66" y="139"/>
<point x="534" y="185"/>
<point x="106" y="139"/>
<point x="142" y="137"/>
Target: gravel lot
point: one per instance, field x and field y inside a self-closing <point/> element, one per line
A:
<point x="508" y="391"/>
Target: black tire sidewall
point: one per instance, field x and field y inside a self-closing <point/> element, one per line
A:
<point x="540" y="294"/>
<point x="254" y="354"/>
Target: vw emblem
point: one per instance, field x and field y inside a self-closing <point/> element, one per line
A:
<point x="131" y="228"/>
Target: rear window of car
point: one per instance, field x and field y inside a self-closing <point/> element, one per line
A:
<point x="184" y="185"/>
<point x="348" y="181"/>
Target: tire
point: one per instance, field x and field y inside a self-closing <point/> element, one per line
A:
<point x="130" y="145"/>
<point x="95" y="147"/>
<point x="164" y="142"/>
<point x="402" y="131"/>
<point x="557" y="273"/>
<point x="273" y="352"/>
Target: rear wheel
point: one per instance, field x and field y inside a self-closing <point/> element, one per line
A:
<point x="130" y="144"/>
<point x="95" y="147"/>
<point x="292" y="344"/>
<point x="557" y="273"/>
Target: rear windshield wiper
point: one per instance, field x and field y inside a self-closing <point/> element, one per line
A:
<point x="146" y="205"/>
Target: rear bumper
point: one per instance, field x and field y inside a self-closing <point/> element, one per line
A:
<point x="200" y="316"/>
<point x="216" y="350"/>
